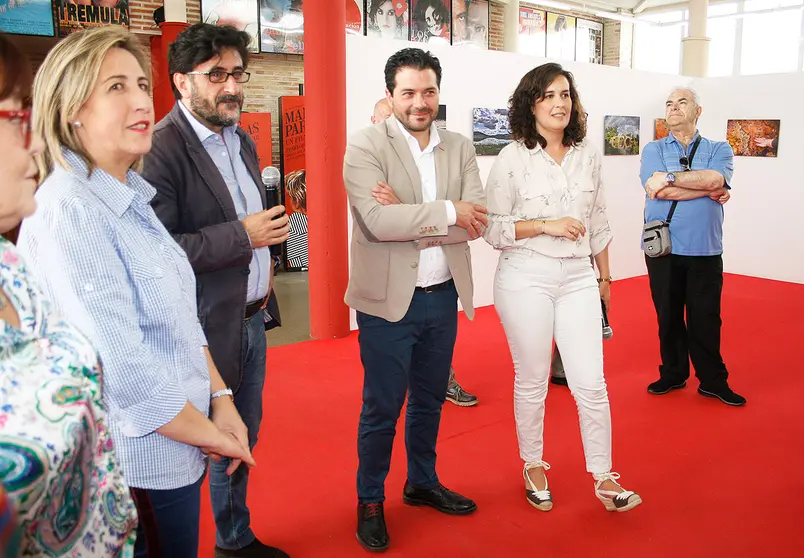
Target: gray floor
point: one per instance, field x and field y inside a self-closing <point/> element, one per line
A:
<point x="294" y="304"/>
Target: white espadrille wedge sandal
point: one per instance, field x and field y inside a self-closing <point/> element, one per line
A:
<point x="542" y="500"/>
<point x="615" y="501"/>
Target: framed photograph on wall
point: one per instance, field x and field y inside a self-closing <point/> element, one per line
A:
<point x="470" y="23"/>
<point x="240" y="14"/>
<point x="441" y="117"/>
<point x="753" y="138"/>
<point x="389" y="19"/>
<point x="281" y="26"/>
<point x="34" y="17"/>
<point x="490" y="130"/>
<point x="621" y="135"/>
<point x="430" y="21"/>
<point x="560" y="36"/>
<point x="589" y="41"/>
<point x="532" y="31"/>
<point x="660" y="129"/>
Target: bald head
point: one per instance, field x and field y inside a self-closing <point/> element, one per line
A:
<point x="382" y="110"/>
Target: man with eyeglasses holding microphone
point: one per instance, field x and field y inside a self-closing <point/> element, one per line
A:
<point x="211" y="198"/>
<point x="687" y="180"/>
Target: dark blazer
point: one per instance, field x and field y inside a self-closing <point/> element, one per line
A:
<point x="195" y="205"/>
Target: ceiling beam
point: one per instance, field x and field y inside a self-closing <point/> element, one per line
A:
<point x="641" y="6"/>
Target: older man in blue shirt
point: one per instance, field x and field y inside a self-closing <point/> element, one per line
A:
<point x="694" y="173"/>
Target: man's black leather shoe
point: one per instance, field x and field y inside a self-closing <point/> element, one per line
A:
<point x="255" y="550"/>
<point x="371" y="531"/>
<point x="441" y="498"/>
<point x="663" y="385"/>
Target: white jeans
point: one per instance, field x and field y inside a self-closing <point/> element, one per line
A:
<point x="538" y="299"/>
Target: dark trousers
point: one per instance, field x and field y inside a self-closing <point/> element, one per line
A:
<point x="694" y="283"/>
<point x="168" y="521"/>
<point x="411" y="356"/>
<point x="228" y="493"/>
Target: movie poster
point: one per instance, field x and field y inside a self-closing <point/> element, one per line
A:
<point x="83" y="14"/>
<point x="589" y="42"/>
<point x="430" y="22"/>
<point x="470" y="23"/>
<point x="560" y="36"/>
<point x="240" y="14"/>
<point x="27" y="17"/>
<point x="281" y="26"/>
<point x="258" y="126"/>
<point x="389" y="19"/>
<point x="354" y="17"/>
<point x="441" y="117"/>
<point x="532" y="31"/>
<point x="292" y="151"/>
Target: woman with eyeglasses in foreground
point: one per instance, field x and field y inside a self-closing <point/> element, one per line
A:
<point x="108" y="263"/>
<point x="59" y="472"/>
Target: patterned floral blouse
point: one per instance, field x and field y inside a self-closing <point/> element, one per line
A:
<point x="57" y="463"/>
<point x="528" y="184"/>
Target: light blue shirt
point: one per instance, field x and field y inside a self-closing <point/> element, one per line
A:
<point x="108" y="264"/>
<point x="224" y="150"/>
<point x="697" y="225"/>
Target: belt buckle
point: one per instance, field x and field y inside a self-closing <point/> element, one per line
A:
<point x="428" y="289"/>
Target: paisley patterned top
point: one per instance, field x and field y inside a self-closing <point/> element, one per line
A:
<point x="528" y="184"/>
<point x="57" y="463"/>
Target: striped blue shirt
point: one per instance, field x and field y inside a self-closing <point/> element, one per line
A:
<point x="107" y="262"/>
<point x="697" y="225"/>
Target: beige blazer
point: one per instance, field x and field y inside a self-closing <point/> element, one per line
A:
<point x="385" y="239"/>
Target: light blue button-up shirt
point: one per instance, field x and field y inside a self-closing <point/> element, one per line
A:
<point x="225" y="153"/>
<point x="108" y="264"/>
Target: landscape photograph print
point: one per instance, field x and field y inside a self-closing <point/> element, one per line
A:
<point x="490" y="131"/>
<point x="621" y="135"/>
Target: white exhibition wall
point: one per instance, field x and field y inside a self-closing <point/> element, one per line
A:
<point x="486" y="79"/>
<point x="761" y="230"/>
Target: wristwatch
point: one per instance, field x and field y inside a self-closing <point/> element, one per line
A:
<point x="670" y="178"/>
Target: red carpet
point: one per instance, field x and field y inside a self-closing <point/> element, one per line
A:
<point x="715" y="480"/>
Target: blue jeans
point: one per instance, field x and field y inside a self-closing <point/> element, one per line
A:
<point x="411" y="357"/>
<point x="168" y="521"/>
<point x="228" y="493"/>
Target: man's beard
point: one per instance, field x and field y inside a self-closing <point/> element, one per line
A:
<point x="407" y="122"/>
<point x="203" y="108"/>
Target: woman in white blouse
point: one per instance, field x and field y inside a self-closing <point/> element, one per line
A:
<point x="548" y="216"/>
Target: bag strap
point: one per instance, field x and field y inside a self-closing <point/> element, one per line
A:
<point x="675" y="202"/>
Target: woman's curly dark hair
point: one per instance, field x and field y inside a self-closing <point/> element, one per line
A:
<point x="530" y="90"/>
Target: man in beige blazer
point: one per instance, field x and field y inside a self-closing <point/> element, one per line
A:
<point x="455" y="392"/>
<point x="415" y="196"/>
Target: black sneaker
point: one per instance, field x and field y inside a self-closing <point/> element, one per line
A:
<point x="724" y="394"/>
<point x="663" y="385"/>
<point x="456" y="395"/>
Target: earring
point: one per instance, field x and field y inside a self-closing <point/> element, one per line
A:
<point x="77" y="124"/>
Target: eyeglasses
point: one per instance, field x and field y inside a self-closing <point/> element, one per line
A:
<point x="21" y="118"/>
<point x="219" y="76"/>
<point x="684" y="162"/>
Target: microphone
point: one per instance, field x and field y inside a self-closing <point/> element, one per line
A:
<point x="607" y="331"/>
<point x="271" y="179"/>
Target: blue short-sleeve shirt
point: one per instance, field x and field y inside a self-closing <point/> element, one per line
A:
<point x="697" y="225"/>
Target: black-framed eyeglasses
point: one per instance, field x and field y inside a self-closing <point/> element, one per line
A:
<point x="220" y="76"/>
<point x="685" y="163"/>
<point x="21" y="118"/>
